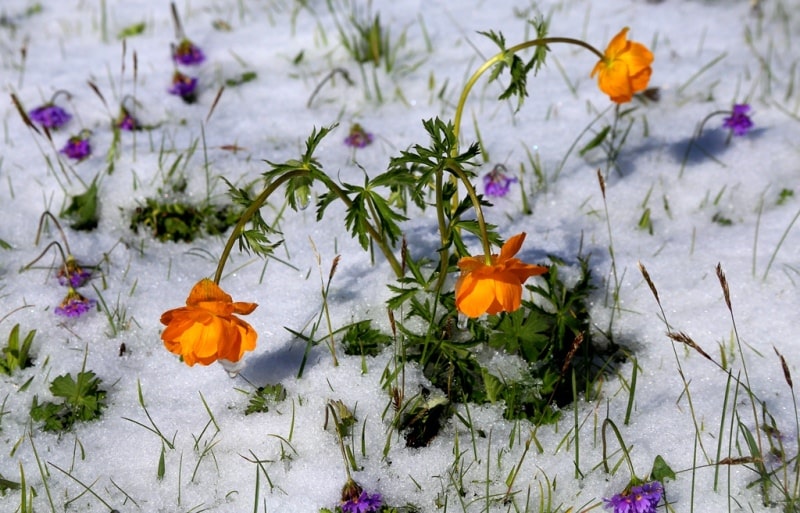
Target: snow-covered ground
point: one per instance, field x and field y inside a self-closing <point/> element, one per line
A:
<point x="733" y="201"/>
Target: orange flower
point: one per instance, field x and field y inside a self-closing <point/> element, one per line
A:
<point x="494" y="288"/>
<point x="624" y="69"/>
<point x="205" y="330"/>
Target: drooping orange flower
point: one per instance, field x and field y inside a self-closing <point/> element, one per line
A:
<point x="624" y="69"/>
<point x="483" y="288"/>
<point x="205" y="330"/>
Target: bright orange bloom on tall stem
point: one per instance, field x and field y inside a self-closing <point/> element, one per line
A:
<point x="205" y="330"/>
<point x="496" y="287"/>
<point x="624" y="69"/>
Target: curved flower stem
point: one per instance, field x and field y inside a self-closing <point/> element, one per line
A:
<point x="697" y="134"/>
<point x="502" y="55"/>
<point x="248" y="213"/>
<point x="49" y="214"/>
<point x="64" y="257"/>
<point x="59" y="93"/>
<point x="445" y="230"/>
<point x="476" y="204"/>
<point x="497" y="58"/>
<point x="265" y="194"/>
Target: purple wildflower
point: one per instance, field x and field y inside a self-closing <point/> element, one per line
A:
<point x="125" y="121"/>
<point x="78" y="147"/>
<point x="497" y="182"/>
<point x="364" y="503"/>
<point x="187" y="53"/>
<point x="50" y="115"/>
<point x="739" y="122"/>
<point x="184" y="86"/>
<point x="640" y="499"/>
<point x="358" y="138"/>
<point x="74" y="304"/>
<point x="72" y="274"/>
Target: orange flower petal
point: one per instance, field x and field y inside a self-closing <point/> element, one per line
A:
<point x="512" y="246"/>
<point x="493" y="288"/>
<point x="624" y="68"/>
<point x="476" y="296"/>
<point x="205" y="330"/>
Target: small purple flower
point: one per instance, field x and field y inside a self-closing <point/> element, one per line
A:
<point x="125" y="121"/>
<point x="739" y="122"/>
<point x="50" y="115"/>
<point x="74" y="305"/>
<point x="184" y="86"/>
<point x="187" y="53"/>
<point x="358" y="138"/>
<point x="78" y="147"/>
<point x="72" y="274"/>
<point x="640" y="499"/>
<point x="364" y="503"/>
<point x="497" y="182"/>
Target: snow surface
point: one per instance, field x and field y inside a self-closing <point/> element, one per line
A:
<point x="752" y="60"/>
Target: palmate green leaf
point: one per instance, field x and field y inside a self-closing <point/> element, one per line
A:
<point x="307" y="161"/>
<point x="357" y="220"/>
<point x="518" y="69"/>
<point x="522" y="332"/>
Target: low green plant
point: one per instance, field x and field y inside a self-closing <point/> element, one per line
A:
<point x="262" y="398"/>
<point x="16" y="354"/>
<point x="180" y="221"/>
<point x="360" y="338"/>
<point x="81" y="400"/>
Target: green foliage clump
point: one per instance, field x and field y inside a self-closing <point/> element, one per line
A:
<point x="263" y="397"/>
<point x="82" y="400"/>
<point x="360" y="338"/>
<point x="180" y="221"/>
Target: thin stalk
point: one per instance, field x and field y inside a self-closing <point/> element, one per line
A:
<point x="248" y="213"/>
<point x="267" y="192"/>
<point x="502" y="55"/>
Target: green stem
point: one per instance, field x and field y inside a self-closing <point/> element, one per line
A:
<point x="499" y="57"/>
<point x="444" y="229"/>
<point x="248" y="213"/>
<point x="476" y="204"/>
<point x="262" y="198"/>
<point x="376" y="236"/>
<point x="502" y="55"/>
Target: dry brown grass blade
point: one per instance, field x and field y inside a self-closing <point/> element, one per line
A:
<point x="724" y="283"/>
<point x="650" y="283"/>
<point x="685" y="339"/>
<point x="786" y="374"/>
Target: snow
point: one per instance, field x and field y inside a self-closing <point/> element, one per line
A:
<point x="708" y="56"/>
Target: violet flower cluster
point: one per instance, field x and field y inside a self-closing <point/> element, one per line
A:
<point x="50" y="116"/>
<point x="125" y="120"/>
<point x="358" y="137"/>
<point x="184" y="86"/>
<point x="74" y="304"/>
<point x="187" y="53"/>
<point x="73" y="276"/>
<point x="497" y="182"/>
<point x="78" y="146"/>
<point x="739" y="121"/>
<point x="364" y="503"/>
<point x="639" y="499"/>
